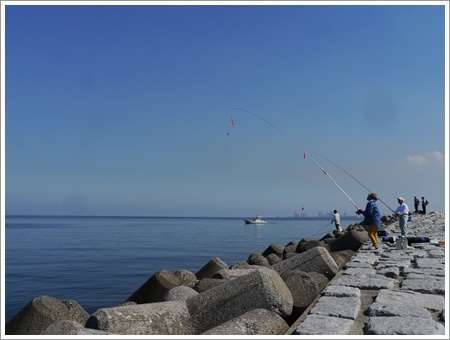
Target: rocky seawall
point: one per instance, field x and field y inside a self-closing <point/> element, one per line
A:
<point x="335" y="285"/>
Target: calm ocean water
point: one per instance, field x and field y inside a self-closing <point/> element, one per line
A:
<point x="101" y="261"/>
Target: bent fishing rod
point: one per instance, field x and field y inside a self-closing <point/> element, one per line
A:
<point x="354" y="179"/>
<point x="304" y="151"/>
<point x="321" y="229"/>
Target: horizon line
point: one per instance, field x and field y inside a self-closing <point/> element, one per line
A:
<point x="168" y="216"/>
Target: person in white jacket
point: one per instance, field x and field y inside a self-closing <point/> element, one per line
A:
<point x="402" y="212"/>
<point x="337" y="220"/>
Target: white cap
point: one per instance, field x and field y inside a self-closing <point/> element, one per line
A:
<point x="400" y="199"/>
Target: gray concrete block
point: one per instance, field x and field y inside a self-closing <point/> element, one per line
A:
<point x="273" y="259"/>
<point x="364" y="257"/>
<point x="359" y="271"/>
<point x="395" y="256"/>
<point x="180" y="293"/>
<point x="426" y="286"/>
<point x="155" y="288"/>
<point x="390" y="272"/>
<point x="430" y="263"/>
<point x="324" y="325"/>
<point x="321" y="280"/>
<point x="254" y="322"/>
<point x="436" y="253"/>
<point x="206" y="284"/>
<point x="317" y="260"/>
<point x="210" y="268"/>
<point x="405" y="325"/>
<point x="341" y="307"/>
<point x="340" y="261"/>
<point x="87" y="331"/>
<point x="274" y="249"/>
<point x="347" y="254"/>
<point x="428" y="301"/>
<point x="37" y="315"/>
<point x="403" y="308"/>
<point x="352" y="240"/>
<point x="305" y="246"/>
<point x="262" y="288"/>
<point x="258" y="260"/>
<point x="76" y="312"/>
<point x="287" y="256"/>
<point x="398" y="264"/>
<point x="186" y="277"/>
<point x="290" y="248"/>
<point x="161" y="318"/>
<point x="240" y="265"/>
<point x="356" y="264"/>
<point x="416" y="275"/>
<point x="231" y="274"/>
<point x="341" y="291"/>
<point x="367" y="283"/>
<point x="424" y="271"/>
<point x="62" y="327"/>
<point x="304" y="289"/>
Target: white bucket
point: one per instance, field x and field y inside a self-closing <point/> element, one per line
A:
<point x="401" y="243"/>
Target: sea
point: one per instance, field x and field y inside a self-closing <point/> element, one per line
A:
<point x="101" y="261"/>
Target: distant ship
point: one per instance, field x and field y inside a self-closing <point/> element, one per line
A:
<point x="256" y="220"/>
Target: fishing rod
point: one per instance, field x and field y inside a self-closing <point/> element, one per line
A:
<point x="306" y="153"/>
<point x="353" y="178"/>
<point x="314" y="235"/>
<point x="322" y="229"/>
<point x="325" y="226"/>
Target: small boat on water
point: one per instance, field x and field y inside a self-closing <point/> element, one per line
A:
<point x="256" y="220"/>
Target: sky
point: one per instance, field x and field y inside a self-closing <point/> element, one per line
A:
<point x="126" y="110"/>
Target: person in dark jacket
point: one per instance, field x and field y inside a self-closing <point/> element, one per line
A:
<point x="372" y="216"/>
<point x="424" y="205"/>
<point x="416" y="204"/>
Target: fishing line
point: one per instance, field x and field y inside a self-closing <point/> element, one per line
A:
<point x="314" y="235"/>
<point x="325" y="226"/>
<point x="353" y="178"/>
<point x="306" y="153"/>
<point x="322" y="229"/>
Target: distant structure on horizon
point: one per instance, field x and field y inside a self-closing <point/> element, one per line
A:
<point x="329" y="214"/>
<point x="321" y="214"/>
<point x="302" y="215"/>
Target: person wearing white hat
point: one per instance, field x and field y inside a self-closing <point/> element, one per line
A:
<point x="402" y="212"/>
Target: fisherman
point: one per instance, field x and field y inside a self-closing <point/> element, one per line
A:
<point x="402" y="212"/>
<point x="337" y="220"/>
<point x="372" y="215"/>
<point x="424" y="205"/>
<point x="416" y="204"/>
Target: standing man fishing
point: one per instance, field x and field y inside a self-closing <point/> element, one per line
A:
<point x="402" y="212"/>
<point x="424" y="205"/>
<point x="416" y="204"/>
<point x="337" y="220"/>
<point x="372" y="215"/>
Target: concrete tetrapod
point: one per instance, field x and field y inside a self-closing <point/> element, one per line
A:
<point x="261" y="288"/>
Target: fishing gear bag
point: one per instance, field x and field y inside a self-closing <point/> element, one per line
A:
<point x="420" y="239"/>
<point x="382" y="232"/>
<point x="388" y="239"/>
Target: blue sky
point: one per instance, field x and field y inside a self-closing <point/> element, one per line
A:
<point x="126" y="110"/>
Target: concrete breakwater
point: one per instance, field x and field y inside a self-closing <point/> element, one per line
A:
<point x="272" y="293"/>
